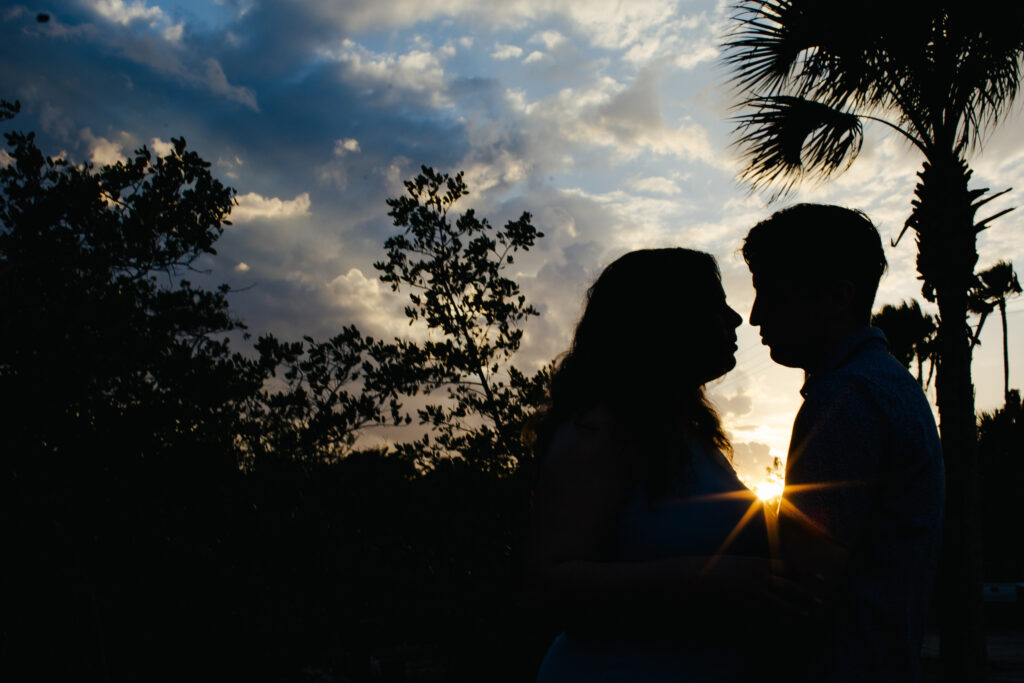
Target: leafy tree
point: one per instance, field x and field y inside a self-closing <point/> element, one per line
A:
<point x="995" y="286"/>
<point x="454" y="271"/>
<point x="137" y="536"/>
<point x="911" y="335"/>
<point x="1000" y="435"/>
<point x="122" y="401"/>
<point x="99" y="339"/>
<point x="940" y="74"/>
<point x="330" y="391"/>
<point x="9" y="109"/>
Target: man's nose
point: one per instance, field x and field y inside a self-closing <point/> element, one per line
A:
<point x="755" y="313"/>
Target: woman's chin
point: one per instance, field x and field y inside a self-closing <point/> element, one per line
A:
<point x="725" y="368"/>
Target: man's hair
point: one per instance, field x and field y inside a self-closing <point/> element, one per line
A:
<point x="814" y="244"/>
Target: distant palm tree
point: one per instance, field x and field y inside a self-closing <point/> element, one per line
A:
<point x="911" y="335"/>
<point x="940" y="73"/>
<point x="995" y="286"/>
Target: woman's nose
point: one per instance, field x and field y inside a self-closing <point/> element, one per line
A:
<point x="737" y="319"/>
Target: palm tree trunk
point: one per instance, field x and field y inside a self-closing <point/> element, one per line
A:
<point x="960" y="595"/>
<point x="1006" y="356"/>
<point x="947" y="254"/>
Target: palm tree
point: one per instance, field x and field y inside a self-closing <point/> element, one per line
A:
<point x="940" y="73"/>
<point x="911" y="335"/>
<point x="995" y="286"/>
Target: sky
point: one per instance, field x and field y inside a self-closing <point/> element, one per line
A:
<point x="607" y="120"/>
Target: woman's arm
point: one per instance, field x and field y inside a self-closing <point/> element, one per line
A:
<point x="582" y="490"/>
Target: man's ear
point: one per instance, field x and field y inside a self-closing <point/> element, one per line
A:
<point x="842" y="295"/>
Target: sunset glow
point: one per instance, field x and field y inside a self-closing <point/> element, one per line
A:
<point x="607" y="121"/>
<point x="769" y="490"/>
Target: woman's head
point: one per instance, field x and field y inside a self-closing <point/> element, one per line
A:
<point x="656" y="320"/>
<point x="655" y="328"/>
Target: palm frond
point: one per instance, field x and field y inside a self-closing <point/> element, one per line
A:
<point x="785" y="138"/>
<point x="765" y="45"/>
<point x="805" y="48"/>
<point x="989" y="67"/>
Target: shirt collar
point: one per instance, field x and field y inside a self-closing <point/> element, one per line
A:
<point x="842" y="352"/>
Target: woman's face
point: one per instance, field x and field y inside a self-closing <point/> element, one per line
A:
<point x="714" y="330"/>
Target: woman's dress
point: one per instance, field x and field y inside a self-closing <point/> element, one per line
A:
<point x="704" y="502"/>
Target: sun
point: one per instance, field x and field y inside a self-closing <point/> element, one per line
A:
<point x="769" y="490"/>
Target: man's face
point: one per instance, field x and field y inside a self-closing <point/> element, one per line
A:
<point x="791" y="321"/>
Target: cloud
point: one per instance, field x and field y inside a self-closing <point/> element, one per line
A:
<point x="655" y="185"/>
<point x="604" y="24"/>
<point x="164" y="56"/>
<point x="174" y="32"/>
<point x="5" y="159"/>
<point x="120" y="13"/>
<point x="550" y="38"/>
<point x="606" y="114"/>
<point x="633" y="118"/>
<point x="378" y="310"/>
<point x="753" y="460"/>
<point x="414" y="76"/>
<point x="252" y="206"/>
<point x="345" y="145"/>
<point x="502" y="51"/>
<point x="215" y="79"/>
<point x="231" y="166"/>
<point x="160" y="147"/>
<point x="534" y="56"/>
<point x="14" y="12"/>
<point x="704" y="51"/>
<point x="739" y="404"/>
<point x="753" y="450"/>
<point x="104" y="152"/>
<point x="336" y="170"/>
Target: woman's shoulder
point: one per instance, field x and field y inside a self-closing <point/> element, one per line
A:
<point x="589" y="439"/>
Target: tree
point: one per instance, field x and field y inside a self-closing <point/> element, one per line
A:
<point x="940" y="73"/>
<point x="995" y="286"/>
<point x="122" y="401"/>
<point x="1000" y="435"/>
<point x="331" y="390"/>
<point x="8" y="110"/>
<point x="911" y="335"/>
<point x="100" y="342"/>
<point x="454" y="271"/>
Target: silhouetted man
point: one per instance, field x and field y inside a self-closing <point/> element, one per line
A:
<point x="864" y="477"/>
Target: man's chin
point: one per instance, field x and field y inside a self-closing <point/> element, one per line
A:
<point x="782" y="358"/>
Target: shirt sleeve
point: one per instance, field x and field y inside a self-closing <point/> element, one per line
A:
<point x="838" y="441"/>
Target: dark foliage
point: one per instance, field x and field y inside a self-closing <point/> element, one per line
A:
<point x="1001" y="453"/>
<point x="454" y="271"/>
<point x="911" y="335"/>
<point x="174" y="510"/>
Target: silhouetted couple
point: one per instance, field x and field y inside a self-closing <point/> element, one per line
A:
<point x="660" y="564"/>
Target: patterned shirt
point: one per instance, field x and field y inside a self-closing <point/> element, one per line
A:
<point x="866" y="449"/>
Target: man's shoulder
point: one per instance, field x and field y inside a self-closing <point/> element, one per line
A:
<point x="873" y="391"/>
<point x="873" y="374"/>
<point x="874" y="402"/>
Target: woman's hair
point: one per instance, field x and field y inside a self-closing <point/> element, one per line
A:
<point x="638" y="348"/>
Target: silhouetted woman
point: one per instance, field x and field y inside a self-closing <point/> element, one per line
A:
<point x="636" y="496"/>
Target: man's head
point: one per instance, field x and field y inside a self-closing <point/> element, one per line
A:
<point x="816" y="270"/>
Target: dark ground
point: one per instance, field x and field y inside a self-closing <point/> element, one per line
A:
<point x="1005" y="655"/>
